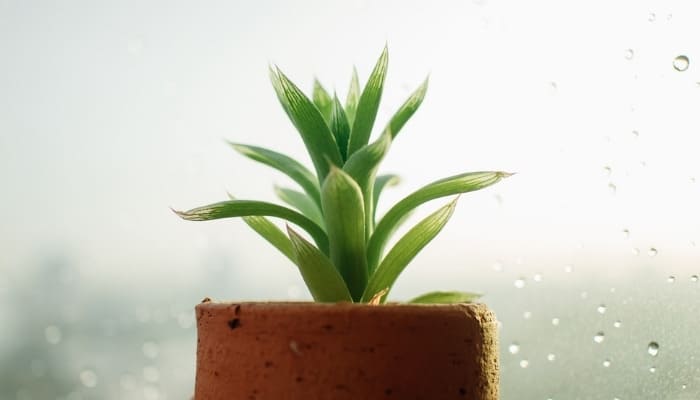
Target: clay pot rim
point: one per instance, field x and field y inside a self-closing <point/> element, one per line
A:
<point x="312" y="305"/>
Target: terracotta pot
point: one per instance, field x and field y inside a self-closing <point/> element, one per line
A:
<point x="312" y="351"/>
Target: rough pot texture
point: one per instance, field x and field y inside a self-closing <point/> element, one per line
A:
<point x="312" y="351"/>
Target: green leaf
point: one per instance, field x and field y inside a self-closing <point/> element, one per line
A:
<point x="245" y="208"/>
<point x="368" y="105"/>
<point x="340" y="127"/>
<point x="406" y="111"/>
<point x="285" y="164"/>
<point x="322" y="100"/>
<point x="353" y="97"/>
<point x="445" y="298"/>
<point x="362" y="167"/>
<point x="405" y="250"/>
<point x="321" y="277"/>
<point x="274" y="235"/>
<point x="341" y="200"/>
<point x="301" y="202"/>
<point x="380" y="183"/>
<point x="444" y="187"/>
<point x="308" y="120"/>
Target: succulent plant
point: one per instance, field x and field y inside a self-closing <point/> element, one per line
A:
<point x="346" y="261"/>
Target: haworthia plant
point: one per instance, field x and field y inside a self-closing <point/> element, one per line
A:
<point x="336" y="206"/>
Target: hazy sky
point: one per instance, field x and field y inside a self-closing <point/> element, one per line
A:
<point x="111" y="112"/>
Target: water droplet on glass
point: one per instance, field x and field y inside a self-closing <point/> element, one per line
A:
<point x="599" y="337"/>
<point x="601" y="309"/>
<point x="652" y="252"/>
<point x="568" y="268"/>
<point x="514" y="348"/>
<point x="671" y="279"/>
<point x="606" y="363"/>
<point x="617" y="323"/>
<point x="694" y="278"/>
<point x="652" y="17"/>
<point x="669" y="16"/>
<point x="551" y="357"/>
<point x="524" y="363"/>
<point x="88" y="378"/>
<point x="629" y="54"/>
<point x="527" y="315"/>
<point x="555" y="321"/>
<point x="652" y="369"/>
<point x="584" y="295"/>
<point x="607" y="170"/>
<point x="681" y="63"/>
<point x="635" y="251"/>
<point x="653" y="349"/>
<point x="53" y="334"/>
<point x="635" y="133"/>
<point x="519" y="283"/>
<point x="684" y="386"/>
<point x="626" y="233"/>
<point x="150" y="349"/>
<point x="497" y="266"/>
<point x="537" y="278"/>
<point x="612" y="188"/>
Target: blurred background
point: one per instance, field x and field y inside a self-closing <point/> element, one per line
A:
<point x="112" y="112"/>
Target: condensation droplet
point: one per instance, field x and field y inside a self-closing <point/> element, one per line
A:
<point x="652" y="252"/>
<point x="524" y="363"/>
<point x="635" y="133"/>
<point x="497" y="266"/>
<point x="626" y="233"/>
<point x="555" y="321"/>
<point x="684" y="386"/>
<point x="551" y="357"/>
<point x="88" y="378"/>
<point x="681" y="63"/>
<point x="150" y="349"/>
<point x="537" y="278"/>
<point x="568" y="268"/>
<point x="694" y="278"/>
<point x="599" y="337"/>
<point x="514" y="348"/>
<point x="653" y="349"/>
<point x="53" y="334"/>
<point x="527" y="315"/>
<point x="629" y="54"/>
<point x="602" y="308"/>
<point x="635" y="251"/>
<point x="617" y="323"/>
<point x="612" y="188"/>
<point x="607" y="170"/>
<point x="671" y="279"/>
<point x="519" y="283"/>
<point x="607" y="363"/>
<point x="652" y="17"/>
<point x="652" y="369"/>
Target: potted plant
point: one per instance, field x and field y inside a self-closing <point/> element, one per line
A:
<point x="349" y="343"/>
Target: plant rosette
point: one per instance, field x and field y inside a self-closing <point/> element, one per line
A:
<point x="438" y="346"/>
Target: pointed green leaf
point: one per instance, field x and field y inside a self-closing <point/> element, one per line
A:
<point x="407" y="109"/>
<point x="274" y="235"/>
<point x="406" y="249"/>
<point x="368" y="105"/>
<point x="343" y="210"/>
<point x="340" y="127"/>
<point x="380" y="183"/>
<point x="445" y="298"/>
<point x="362" y="167"/>
<point x="321" y="277"/>
<point x="285" y="164"/>
<point x="444" y="187"/>
<point x="245" y="208"/>
<point x="353" y="97"/>
<point x="301" y="202"/>
<point x="322" y="100"/>
<point x="308" y="120"/>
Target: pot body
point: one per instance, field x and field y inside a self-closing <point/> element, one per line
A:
<point x="312" y="351"/>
